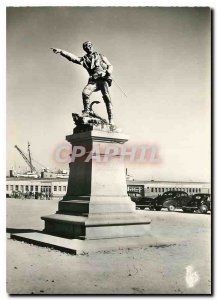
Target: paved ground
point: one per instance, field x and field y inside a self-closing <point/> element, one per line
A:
<point x="182" y="267"/>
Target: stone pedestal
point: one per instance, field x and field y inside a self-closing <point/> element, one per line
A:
<point x="96" y="205"/>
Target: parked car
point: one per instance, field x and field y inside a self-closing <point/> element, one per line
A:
<point x="145" y="202"/>
<point x="198" y="202"/>
<point x="142" y="202"/>
<point x="171" y="200"/>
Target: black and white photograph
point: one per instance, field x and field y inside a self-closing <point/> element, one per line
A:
<point x="108" y="150"/>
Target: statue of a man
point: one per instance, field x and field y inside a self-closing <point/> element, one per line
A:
<point x="99" y="69"/>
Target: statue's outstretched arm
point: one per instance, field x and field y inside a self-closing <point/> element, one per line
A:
<point x="72" y="57"/>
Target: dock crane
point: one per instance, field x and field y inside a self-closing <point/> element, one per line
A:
<point x="24" y="156"/>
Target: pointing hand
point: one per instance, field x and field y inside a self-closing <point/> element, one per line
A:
<point x="56" y="51"/>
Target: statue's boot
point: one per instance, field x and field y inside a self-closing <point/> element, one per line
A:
<point x="108" y="104"/>
<point x="86" y="103"/>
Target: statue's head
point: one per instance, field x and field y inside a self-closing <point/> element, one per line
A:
<point x="88" y="47"/>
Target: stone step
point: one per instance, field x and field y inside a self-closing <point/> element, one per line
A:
<point x="65" y="218"/>
<point x="46" y="240"/>
<point x="74" y="206"/>
<point x="100" y="219"/>
<point x="67" y="226"/>
<point x="72" y="213"/>
<point x="76" y="246"/>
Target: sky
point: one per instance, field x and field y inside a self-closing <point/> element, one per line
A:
<point x="161" y="59"/>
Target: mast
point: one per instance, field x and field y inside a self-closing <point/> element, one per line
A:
<point x="30" y="158"/>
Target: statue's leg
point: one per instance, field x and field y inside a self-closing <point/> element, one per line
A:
<point x="87" y="91"/>
<point x="107" y="100"/>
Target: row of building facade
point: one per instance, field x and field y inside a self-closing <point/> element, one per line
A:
<point x="57" y="187"/>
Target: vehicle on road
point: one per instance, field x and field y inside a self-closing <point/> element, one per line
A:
<point x="142" y="202"/>
<point x="198" y="202"/>
<point x="171" y="200"/>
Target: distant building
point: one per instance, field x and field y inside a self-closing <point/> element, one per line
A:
<point x="55" y="186"/>
<point x="58" y="186"/>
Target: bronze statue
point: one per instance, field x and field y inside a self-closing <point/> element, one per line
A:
<point x="99" y="69"/>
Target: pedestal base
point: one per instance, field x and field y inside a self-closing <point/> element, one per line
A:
<point x="96" y="205"/>
<point x="97" y="226"/>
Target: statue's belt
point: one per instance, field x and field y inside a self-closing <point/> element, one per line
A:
<point x="98" y="78"/>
